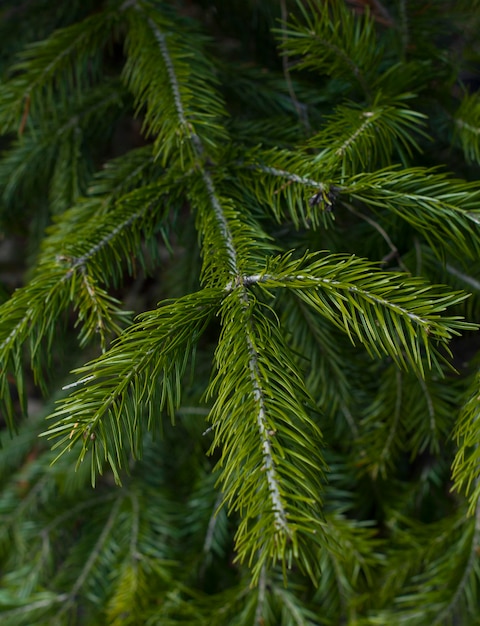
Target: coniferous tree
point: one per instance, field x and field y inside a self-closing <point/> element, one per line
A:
<point x="240" y="264"/>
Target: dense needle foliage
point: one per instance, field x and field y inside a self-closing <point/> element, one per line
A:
<point x="239" y="287"/>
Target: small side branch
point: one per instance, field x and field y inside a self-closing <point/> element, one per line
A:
<point x="469" y="568"/>
<point x="80" y="262"/>
<point x="300" y="109"/>
<point x="353" y="137"/>
<point x="316" y="282"/>
<point x="385" y="453"/>
<point x="93" y="556"/>
<point x="383" y="233"/>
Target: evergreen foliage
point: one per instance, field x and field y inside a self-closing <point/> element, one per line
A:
<point x="246" y="247"/>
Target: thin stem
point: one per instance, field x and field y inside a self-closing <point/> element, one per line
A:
<point x="262" y="588"/>
<point x="403" y="25"/>
<point x="430" y="407"/>
<point x="295" y="178"/>
<point x="93" y="556"/>
<point x="382" y="13"/>
<point x="383" y="233"/>
<point x="35" y="606"/>
<point x="396" y="417"/>
<point x="465" y="277"/>
<point x="301" y="109"/>
<point x="279" y="512"/>
<point x="134" y="554"/>
<point x="212" y="523"/>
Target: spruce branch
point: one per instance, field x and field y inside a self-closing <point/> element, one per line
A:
<point x="35" y="609"/>
<point x="96" y="252"/>
<point x="316" y="341"/>
<point x="54" y="68"/>
<point x="334" y="42"/>
<point x="390" y="313"/>
<point x="327" y="346"/>
<point x="182" y="108"/>
<point x="467" y="127"/>
<point x="94" y="555"/>
<point x="450" y="575"/>
<point x="356" y="138"/>
<point x="422" y="197"/>
<point x="466" y="464"/>
<point x="29" y="317"/>
<point x="108" y="413"/>
<point x="382" y="427"/>
<point x="469" y="577"/>
<point x="187" y="106"/>
<point x="261" y="423"/>
<point x="221" y="222"/>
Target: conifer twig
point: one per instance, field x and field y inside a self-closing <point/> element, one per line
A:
<point x="279" y="512"/>
<point x="93" y="556"/>
<point x="225" y="231"/>
<point x="469" y="568"/>
<point x="198" y="147"/>
<point x="262" y="588"/>
<point x="393" y="248"/>
<point x="301" y="109"/>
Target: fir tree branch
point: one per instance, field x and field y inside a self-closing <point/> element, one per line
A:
<point x="29" y="608"/>
<point x="443" y="210"/>
<point x="355" y="139"/>
<point x="188" y="121"/>
<point x="91" y="253"/>
<point x="301" y="110"/>
<point x="445" y="571"/>
<point x="466" y="466"/>
<point x="108" y="412"/>
<point x="390" y="550"/>
<point x="467" y="127"/>
<point x="47" y="63"/>
<point x="265" y="434"/>
<point x="382" y="317"/>
<point x="94" y="554"/>
<point x="385" y="453"/>
<point x="335" y="42"/>
<point x="426" y="208"/>
<point x="186" y="127"/>
<point x="470" y="571"/>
